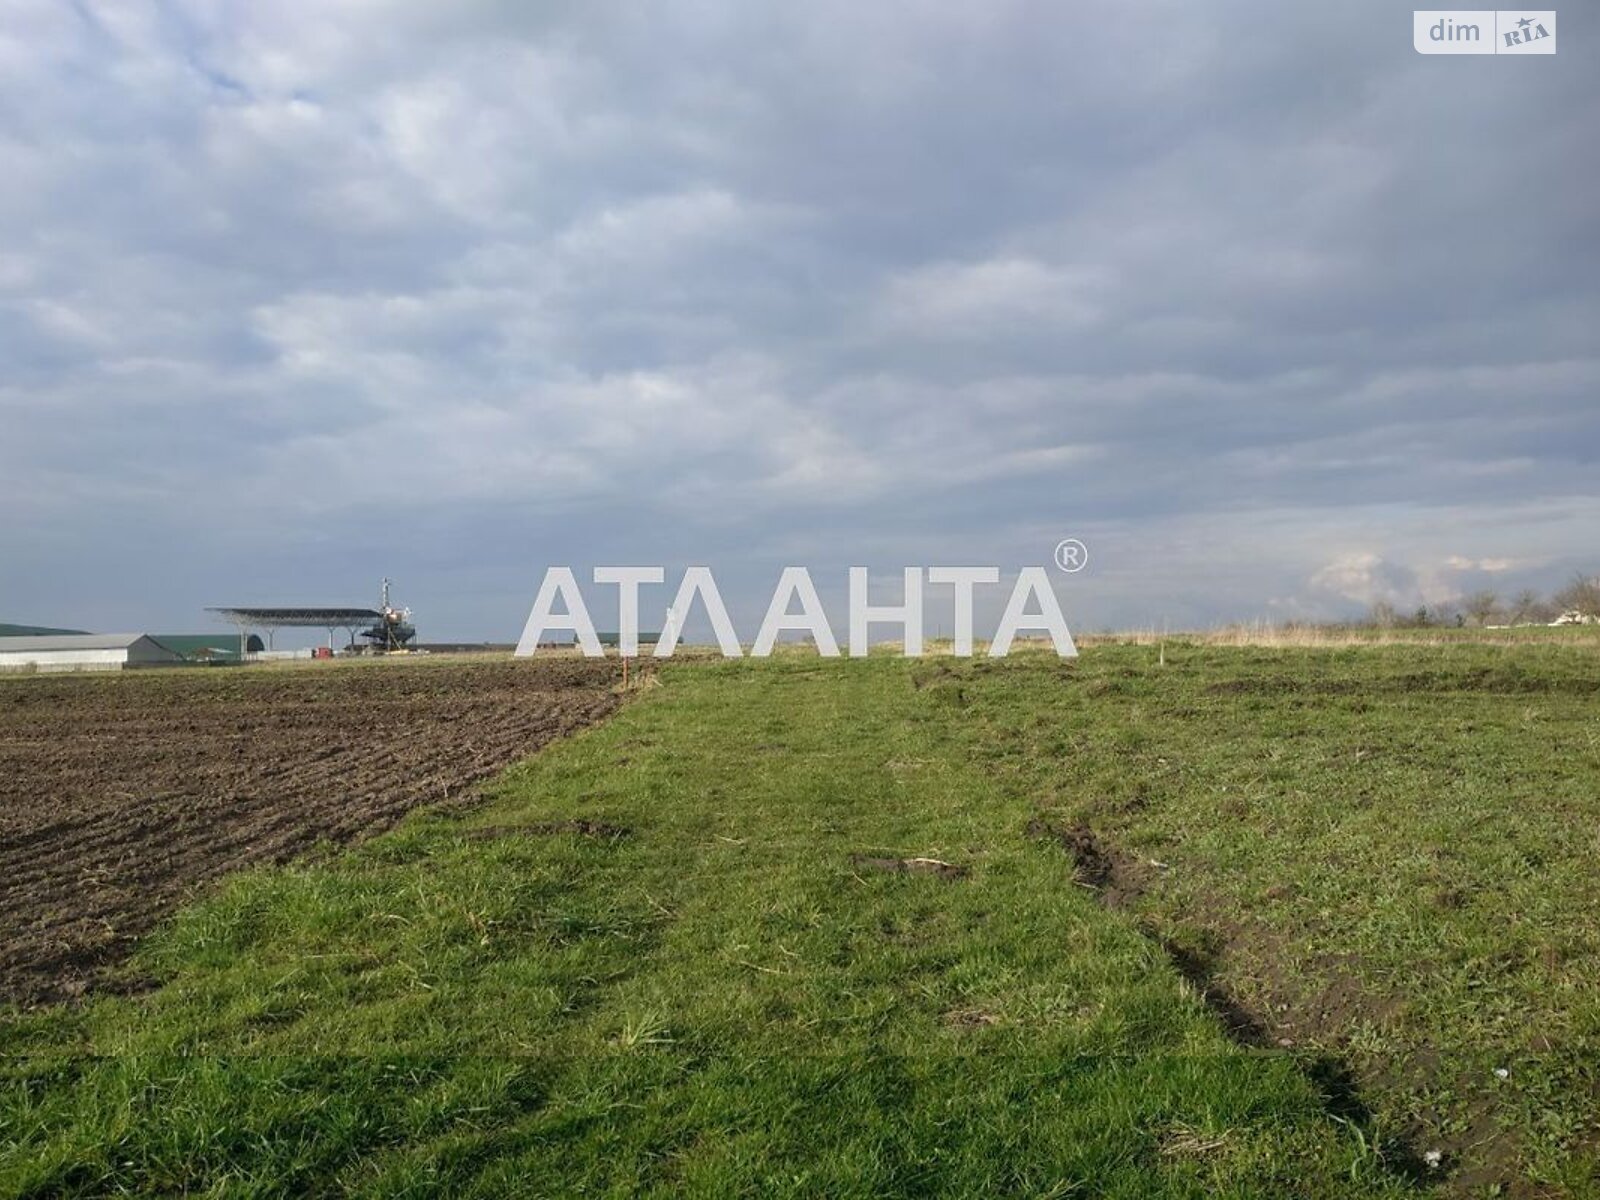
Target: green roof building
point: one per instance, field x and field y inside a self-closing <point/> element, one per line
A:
<point x="222" y="646"/>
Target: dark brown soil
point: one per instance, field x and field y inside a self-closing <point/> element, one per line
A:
<point x="120" y="796"/>
<point x="1119" y="879"/>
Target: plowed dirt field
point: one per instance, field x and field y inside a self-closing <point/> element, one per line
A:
<point x="122" y="795"/>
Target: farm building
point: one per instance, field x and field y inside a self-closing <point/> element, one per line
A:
<point x="84" y="652"/>
<point x="216" y="647"/>
<point x="1575" y="617"/>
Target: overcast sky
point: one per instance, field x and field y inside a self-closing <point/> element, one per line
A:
<point x="1274" y="314"/>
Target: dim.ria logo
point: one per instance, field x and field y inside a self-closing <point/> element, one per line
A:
<point x="1032" y="607"/>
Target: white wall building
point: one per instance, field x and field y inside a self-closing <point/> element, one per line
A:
<point x="1574" y="617"/>
<point x="84" y="652"/>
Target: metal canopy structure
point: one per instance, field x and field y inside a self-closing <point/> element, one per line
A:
<point x="273" y="619"/>
<point x="390" y="627"/>
<point x="323" y="618"/>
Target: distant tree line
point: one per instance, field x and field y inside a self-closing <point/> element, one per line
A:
<point x="1527" y="607"/>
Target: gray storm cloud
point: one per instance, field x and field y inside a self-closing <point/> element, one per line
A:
<point x="1278" y="316"/>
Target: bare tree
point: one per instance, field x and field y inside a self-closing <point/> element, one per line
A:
<point x="1581" y="595"/>
<point x="1480" y="606"/>
<point x="1382" y="615"/>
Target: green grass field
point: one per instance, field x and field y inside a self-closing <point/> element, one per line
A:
<point x="1345" y="915"/>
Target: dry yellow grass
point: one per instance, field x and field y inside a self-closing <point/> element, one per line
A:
<point x="1262" y="633"/>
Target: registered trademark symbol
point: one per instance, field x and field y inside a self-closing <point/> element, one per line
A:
<point x="1071" y="555"/>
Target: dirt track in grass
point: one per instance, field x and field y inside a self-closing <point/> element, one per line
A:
<point x="120" y="796"/>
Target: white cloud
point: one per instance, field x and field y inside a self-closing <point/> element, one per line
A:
<point x="1366" y="578"/>
<point x="995" y="296"/>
